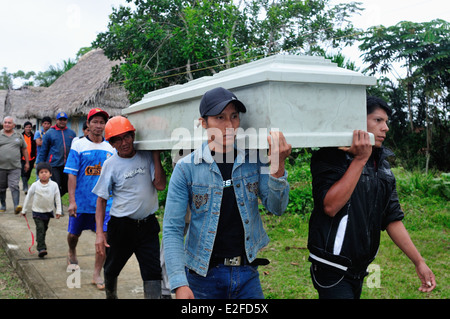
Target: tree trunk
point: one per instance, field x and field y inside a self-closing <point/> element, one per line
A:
<point x="409" y="93"/>
<point x="428" y="131"/>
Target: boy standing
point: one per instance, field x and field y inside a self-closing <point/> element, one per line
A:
<point x="41" y="199"/>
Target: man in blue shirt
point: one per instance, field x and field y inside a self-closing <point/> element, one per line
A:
<point x="39" y="135"/>
<point x="55" y="149"/>
<point x="221" y="185"/>
<point x="84" y="166"/>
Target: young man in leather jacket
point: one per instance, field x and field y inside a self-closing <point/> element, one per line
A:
<point x="355" y="198"/>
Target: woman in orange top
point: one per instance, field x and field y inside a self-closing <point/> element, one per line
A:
<point x="31" y="147"/>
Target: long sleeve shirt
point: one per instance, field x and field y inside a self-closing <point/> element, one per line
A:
<point x="197" y="182"/>
<point x="42" y="198"/>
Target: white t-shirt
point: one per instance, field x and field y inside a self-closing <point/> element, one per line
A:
<point x="42" y="198"/>
<point x="130" y="180"/>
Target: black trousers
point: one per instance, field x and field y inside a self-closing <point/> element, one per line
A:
<point x="27" y="174"/>
<point x="41" y="231"/>
<point x="60" y="178"/>
<point x="127" y="236"/>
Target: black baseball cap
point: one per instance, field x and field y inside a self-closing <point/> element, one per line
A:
<point x="214" y="101"/>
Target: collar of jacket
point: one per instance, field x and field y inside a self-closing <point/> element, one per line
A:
<point x="59" y="129"/>
<point x="204" y="154"/>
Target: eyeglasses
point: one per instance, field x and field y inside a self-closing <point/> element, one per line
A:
<point x="62" y="119"/>
<point x="119" y="139"/>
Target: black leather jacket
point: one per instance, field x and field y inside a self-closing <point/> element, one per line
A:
<point x="349" y="241"/>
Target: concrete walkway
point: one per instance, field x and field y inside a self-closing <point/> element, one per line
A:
<point x="50" y="277"/>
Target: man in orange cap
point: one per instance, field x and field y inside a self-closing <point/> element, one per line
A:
<point x="83" y="167"/>
<point x="133" y="177"/>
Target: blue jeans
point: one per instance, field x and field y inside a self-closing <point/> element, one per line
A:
<point x="332" y="285"/>
<point x="225" y="282"/>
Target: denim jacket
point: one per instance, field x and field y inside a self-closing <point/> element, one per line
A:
<point x="196" y="181"/>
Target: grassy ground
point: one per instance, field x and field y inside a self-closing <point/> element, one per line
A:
<point x="11" y="286"/>
<point x="427" y="218"/>
<point x="288" y="277"/>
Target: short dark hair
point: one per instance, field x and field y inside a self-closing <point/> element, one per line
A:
<point x="43" y="165"/>
<point x="374" y="102"/>
<point x="47" y="119"/>
<point x="27" y="123"/>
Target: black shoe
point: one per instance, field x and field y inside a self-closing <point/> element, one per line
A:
<point x="42" y="253"/>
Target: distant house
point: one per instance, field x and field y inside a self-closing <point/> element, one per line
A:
<point x="15" y="103"/>
<point x="84" y="86"/>
<point x="3" y="94"/>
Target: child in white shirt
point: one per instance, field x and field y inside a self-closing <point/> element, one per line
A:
<point x="41" y="198"/>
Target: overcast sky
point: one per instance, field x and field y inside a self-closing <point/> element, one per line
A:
<point x="38" y="33"/>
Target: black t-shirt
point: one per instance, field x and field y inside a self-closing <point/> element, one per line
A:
<point x="229" y="241"/>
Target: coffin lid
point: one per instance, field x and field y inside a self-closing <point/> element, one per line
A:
<point x="280" y="68"/>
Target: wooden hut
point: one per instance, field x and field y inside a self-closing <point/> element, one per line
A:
<point x="83" y="87"/>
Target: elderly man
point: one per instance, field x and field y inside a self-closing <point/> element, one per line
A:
<point x="132" y="178"/>
<point x="11" y="145"/>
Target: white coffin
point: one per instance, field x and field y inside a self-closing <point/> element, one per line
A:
<point x="311" y="100"/>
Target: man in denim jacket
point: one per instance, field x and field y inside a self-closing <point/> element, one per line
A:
<point x="220" y="184"/>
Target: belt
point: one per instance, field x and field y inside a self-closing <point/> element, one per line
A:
<point x="237" y="261"/>
<point x="135" y="221"/>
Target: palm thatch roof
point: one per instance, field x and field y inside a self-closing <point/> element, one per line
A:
<point x="15" y="102"/>
<point x="84" y="86"/>
<point x="3" y="94"/>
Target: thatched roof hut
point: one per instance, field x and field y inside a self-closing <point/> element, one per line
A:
<point x="3" y="94"/>
<point x="15" y="103"/>
<point x="84" y="86"/>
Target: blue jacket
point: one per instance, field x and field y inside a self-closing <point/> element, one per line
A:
<point x="196" y="181"/>
<point x="56" y="145"/>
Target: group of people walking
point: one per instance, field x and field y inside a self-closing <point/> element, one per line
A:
<point x="212" y="229"/>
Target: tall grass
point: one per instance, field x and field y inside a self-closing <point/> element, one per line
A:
<point x="425" y="202"/>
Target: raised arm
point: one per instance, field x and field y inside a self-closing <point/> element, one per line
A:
<point x="160" y="176"/>
<point x="341" y="191"/>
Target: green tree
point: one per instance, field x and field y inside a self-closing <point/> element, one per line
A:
<point x="417" y="46"/>
<point x="42" y="78"/>
<point x="301" y="27"/>
<point x="6" y="80"/>
<point x="164" y="42"/>
<point x="423" y="49"/>
<point x="171" y="42"/>
<point x="49" y="76"/>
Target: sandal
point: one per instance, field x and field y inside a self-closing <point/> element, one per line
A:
<point x="100" y="285"/>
